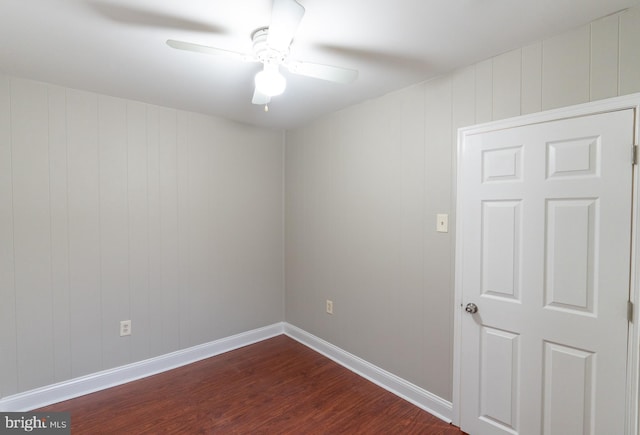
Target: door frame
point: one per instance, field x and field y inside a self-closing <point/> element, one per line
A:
<point x="632" y="101"/>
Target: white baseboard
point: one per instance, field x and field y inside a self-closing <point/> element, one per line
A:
<point x="70" y="389"/>
<point x="110" y="378"/>
<point x="420" y="397"/>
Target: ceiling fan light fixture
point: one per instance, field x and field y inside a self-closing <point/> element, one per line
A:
<point x="271" y="48"/>
<point x="269" y="81"/>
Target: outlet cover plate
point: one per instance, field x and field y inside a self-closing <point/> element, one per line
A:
<point x="125" y="328"/>
<point x="329" y="306"/>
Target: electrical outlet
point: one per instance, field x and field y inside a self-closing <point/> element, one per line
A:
<point x="329" y="306"/>
<point x="125" y="328"/>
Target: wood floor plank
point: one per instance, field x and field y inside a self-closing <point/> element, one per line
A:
<point x="277" y="386"/>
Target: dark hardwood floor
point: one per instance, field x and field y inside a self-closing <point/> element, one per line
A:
<point x="277" y="386"/>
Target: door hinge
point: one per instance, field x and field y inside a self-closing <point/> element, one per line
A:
<point x="635" y="156"/>
<point x="630" y="311"/>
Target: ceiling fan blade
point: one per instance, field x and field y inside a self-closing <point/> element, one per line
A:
<point x="323" y="72"/>
<point x="285" y="19"/>
<point x="260" y="98"/>
<point x="189" y="46"/>
<point x="134" y="16"/>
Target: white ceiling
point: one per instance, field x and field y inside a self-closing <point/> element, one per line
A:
<point x="117" y="47"/>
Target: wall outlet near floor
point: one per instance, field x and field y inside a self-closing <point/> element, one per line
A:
<point x="125" y="328"/>
<point x="329" y="306"/>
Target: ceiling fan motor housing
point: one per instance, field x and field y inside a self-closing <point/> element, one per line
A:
<point x="263" y="51"/>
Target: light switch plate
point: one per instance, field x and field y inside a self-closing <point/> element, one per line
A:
<point x="442" y="223"/>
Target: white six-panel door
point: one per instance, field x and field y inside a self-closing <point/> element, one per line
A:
<point x="545" y="256"/>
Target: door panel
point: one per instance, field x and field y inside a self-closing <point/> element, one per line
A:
<point x="545" y="255"/>
<point x="570" y="254"/>
<point x="573" y="158"/>
<point x="568" y="390"/>
<point x="499" y="377"/>
<point x="501" y="227"/>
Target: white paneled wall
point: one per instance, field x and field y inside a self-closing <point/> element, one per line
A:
<point x="112" y="210"/>
<point x="604" y="58"/>
<point x="8" y="364"/>
<point x="629" y="35"/>
<point x="565" y="69"/>
<point x="364" y="185"/>
<point x="531" y="73"/>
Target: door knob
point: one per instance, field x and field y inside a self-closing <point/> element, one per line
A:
<point x="471" y="308"/>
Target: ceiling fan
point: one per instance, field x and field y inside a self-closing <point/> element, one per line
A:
<point x="271" y="48"/>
